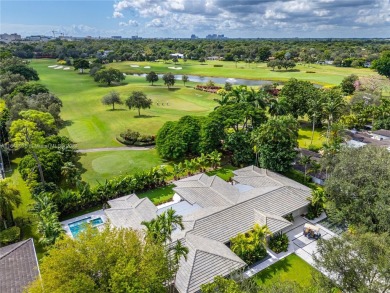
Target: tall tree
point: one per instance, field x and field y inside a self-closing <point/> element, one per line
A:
<point x="333" y="107"/>
<point x="9" y="199"/>
<point x="139" y="101"/>
<point x="382" y="65"/>
<point x="113" y="260"/>
<point x="358" y="188"/>
<point x="276" y="141"/>
<point x="184" y="79"/>
<point x="348" y="84"/>
<point x="169" y="79"/>
<point x="81" y="64"/>
<point x="152" y="77"/>
<point x="357" y="263"/>
<point x="108" y="76"/>
<point x="297" y="94"/>
<point x="112" y="98"/>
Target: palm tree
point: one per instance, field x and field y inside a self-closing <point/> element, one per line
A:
<point x="239" y="245"/>
<point x="190" y="166"/>
<point x="225" y="100"/>
<point x="215" y="159"/>
<point x="177" y="170"/>
<point x="203" y="162"/>
<point x="9" y="199"/>
<point x="318" y="199"/>
<point x="305" y="161"/>
<point x="179" y="251"/>
<point x="49" y="227"/>
<point x="333" y="105"/>
<point x="260" y="234"/>
<point x="171" y="221"/>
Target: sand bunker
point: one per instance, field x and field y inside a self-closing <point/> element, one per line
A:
<point x="59" y="67"/>
<point x="66" y="68"/>
<point x="52" y="66"/>
<point x="124" y="74"/>
<point x="133" y="65"/>
<point x="175" y="68"/>
<point x="146" y="66"/>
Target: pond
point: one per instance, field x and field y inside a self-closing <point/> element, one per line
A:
<point x="219" y="80"/>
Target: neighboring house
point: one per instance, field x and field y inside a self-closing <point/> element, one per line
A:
<point x="381" y="134"/>
<point x="358" y="139"/>
<point x="18" y="266"/>
<point x="214" y="211"/>
<point x="177" y="55"/>
<point x="317" y="177"/>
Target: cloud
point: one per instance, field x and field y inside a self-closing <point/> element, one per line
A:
<point x="238" y="17"/>
<point x="131" y="22"/>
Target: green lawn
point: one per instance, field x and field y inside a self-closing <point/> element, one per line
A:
<point x="324" y="74"/>
<point x="91" y="124"/>
<point x="291" y="268"/>
<point x="22" y="214"/>
<point x="159" y="195"/>
<point x="225" y="172"/>
<point x="304" y="137"/>
<point x="99" y="166"/>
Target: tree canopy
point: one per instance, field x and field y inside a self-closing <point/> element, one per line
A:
<point x="382" y="65"/>
<point x="152" y="77"/>
<point x="81" y="64"/>
<point x="108" y="76"/>
<point x="276" y="141"/>
<point x="113" y="260"/>
<point x="169" y="79"/>
<point x="139" y="101"/>
<point x="112" y="98"/>
<point x="358" y="189"/>
<point x="357" y="262"/>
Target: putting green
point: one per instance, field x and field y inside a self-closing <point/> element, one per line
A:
<point x="105" y="165"/>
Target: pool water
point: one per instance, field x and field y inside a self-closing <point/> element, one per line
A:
<point x="80" y="225"/>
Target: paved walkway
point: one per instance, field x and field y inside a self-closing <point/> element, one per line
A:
<point x="125" y="148"/>
<point x="299" y="244"/>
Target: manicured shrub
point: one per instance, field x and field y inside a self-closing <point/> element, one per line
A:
<point x="278" y="242"/>
<point x="218" y="65"/>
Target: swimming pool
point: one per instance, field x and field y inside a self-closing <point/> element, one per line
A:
<point x="79" y="226"/>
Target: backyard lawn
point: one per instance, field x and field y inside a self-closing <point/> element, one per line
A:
<point x="291" y="268"/>
<point x="21" y="214"/>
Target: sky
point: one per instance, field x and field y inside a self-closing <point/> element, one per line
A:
<point x="181" y="18"/>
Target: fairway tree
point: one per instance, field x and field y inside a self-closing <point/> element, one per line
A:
<point x="108" y="76"/>
<point x="139" y="101"/>
<point x="382" y="65"/>
<point x="356" y="262"/>
<point x="169" y="79"/>
<point x="276" y="141"/>
<point x="348" y="84"/>
<point x="152" y="77"/>
<point x="358" y="188"/>
<point x="185" y="79"/>
<point x="111" y="260"/>
<point x="81" y="64"/>
<point x="112" y="98"/>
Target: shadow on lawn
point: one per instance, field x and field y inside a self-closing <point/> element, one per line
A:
<point x="269" y="272"/>
<point x="145" y="116"/>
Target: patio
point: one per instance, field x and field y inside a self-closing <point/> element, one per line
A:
<point x="299" y="244"/>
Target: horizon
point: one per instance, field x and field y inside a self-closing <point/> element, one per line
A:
<point x="245" y="19"/>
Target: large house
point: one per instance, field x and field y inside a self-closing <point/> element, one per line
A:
<point x="213" y="212"/>
<point x="18" y="266"/>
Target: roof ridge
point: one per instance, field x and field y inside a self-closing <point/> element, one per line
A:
<point x="208" y="252"/>
<point x="192" y="267"/>
<point x="280" y="187"/>
<point x="21" y="243"/>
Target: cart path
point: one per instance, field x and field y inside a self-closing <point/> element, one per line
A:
<point x="124" y="148"/>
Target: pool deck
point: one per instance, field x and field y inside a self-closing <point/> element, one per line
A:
<point x="96" y="214"/>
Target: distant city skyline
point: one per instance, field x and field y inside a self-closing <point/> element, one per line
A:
<point x="182" y="18"/>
